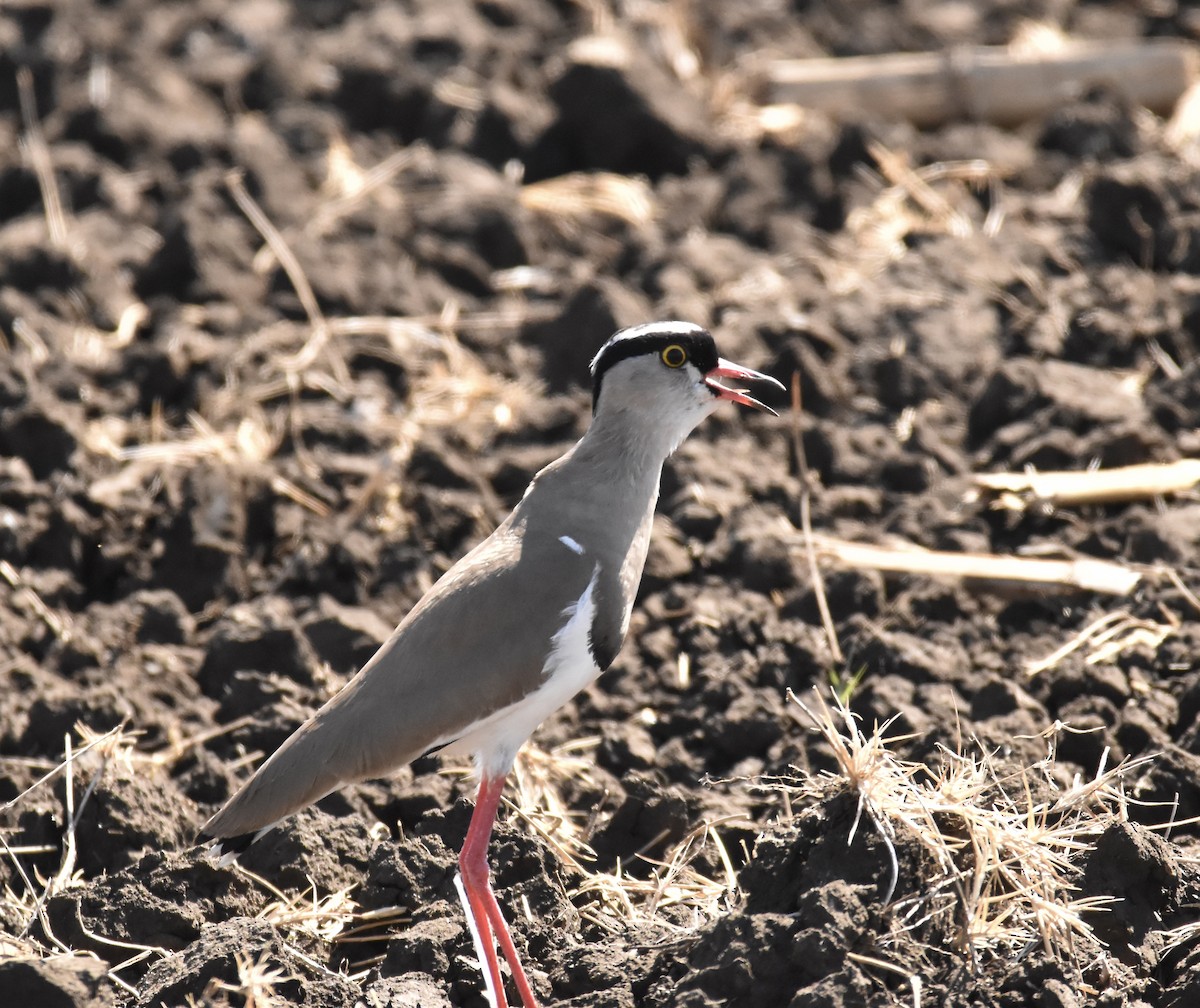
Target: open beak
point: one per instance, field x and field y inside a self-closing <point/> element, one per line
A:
<point x="727" y="369"/>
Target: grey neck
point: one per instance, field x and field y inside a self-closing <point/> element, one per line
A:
<point x="623" y="450"/>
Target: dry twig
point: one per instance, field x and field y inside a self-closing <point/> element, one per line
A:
<point x="1018" y="491"/>
<point x="1080" y="573"/>
<point x="994" y="84"/>
<point x="814" y="569"/>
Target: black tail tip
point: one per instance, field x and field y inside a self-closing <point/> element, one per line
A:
<point x="227" y="848"/>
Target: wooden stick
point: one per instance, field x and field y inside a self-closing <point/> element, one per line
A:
<point x="1083" y="573"/>
<point x="990" y="83"/>
<point x="1093" y="486"/>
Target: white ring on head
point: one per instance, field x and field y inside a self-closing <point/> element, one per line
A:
<point x="670" y="328"/>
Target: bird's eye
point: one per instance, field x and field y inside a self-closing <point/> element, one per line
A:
<point x="674" y="356"/>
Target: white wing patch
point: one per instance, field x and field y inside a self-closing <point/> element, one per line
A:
<point x="571" y="544"/>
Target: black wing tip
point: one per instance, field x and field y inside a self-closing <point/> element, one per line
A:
<point x="227" y="848"/>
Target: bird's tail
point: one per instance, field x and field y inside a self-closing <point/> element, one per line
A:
<point x="294" y="777"/>
<point x="228" y="849"/>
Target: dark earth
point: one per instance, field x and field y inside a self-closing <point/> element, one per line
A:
<point x="223" y="480"/>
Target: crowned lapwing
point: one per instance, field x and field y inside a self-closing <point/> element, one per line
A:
<point x="517" y="627"/>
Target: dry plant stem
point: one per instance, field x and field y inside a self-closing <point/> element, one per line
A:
<point x="579" y="195"/>
<point x="370" y="921"/>
<point x="143" y="952"/>
<point x="295" y="273"/>
<point x="1099" y="486"/>
<point x="898" y="172"/>
<point x="814" y="569"/>
<point x="57" y="624"/>
<point x="279" y="247"/>
<point x="62" y="878"/>
<point x="913" y="979"/>
<point x="1083" y="573"/>
<point x="382" y="173"/>
<point x="319" y="339"/>
<point x="43" y="166"/>
<point x="111" y="733"/>
<point x="1183" y="589"/>
<point x="176" y="750"/>
<point x="988" y="83"/>
<point x="1106" y="637"/>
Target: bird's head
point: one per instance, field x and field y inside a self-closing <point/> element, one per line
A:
<point x="669" y="374"/>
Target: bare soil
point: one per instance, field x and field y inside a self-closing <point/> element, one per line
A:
<point x="219" y="493"/>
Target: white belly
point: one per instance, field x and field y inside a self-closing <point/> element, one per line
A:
<point x="494" y="740"/>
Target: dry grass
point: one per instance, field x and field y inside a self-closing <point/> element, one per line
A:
<point x="804" y="507"/>
<point x="1106" y="638"/>
<point x="579" y="196"/>
<point x="240" y="425"/>
<point x="27" y="905"/>
<point x="334" y="918"/>
<point x="537" y="783"/>
<point x="245" y="447"/>
<point x="668" y="895"/>
<point x="1002" y="846"/>
<point x="1000" y="853"/>
<point x="928" y="200"/>
<point x="674" y="896"/>
<point x="256" y="983"/>
<point x="450" y="386"/>
<point x="1183" y="935"/>
<point x="1004" y="859"/>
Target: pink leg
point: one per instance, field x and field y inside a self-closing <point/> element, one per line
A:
<point x="473" y="863"/>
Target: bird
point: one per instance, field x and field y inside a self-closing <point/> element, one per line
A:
<point x="524" y="621"/>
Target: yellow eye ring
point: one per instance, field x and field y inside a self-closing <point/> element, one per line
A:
<point x="674" y="356"/>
